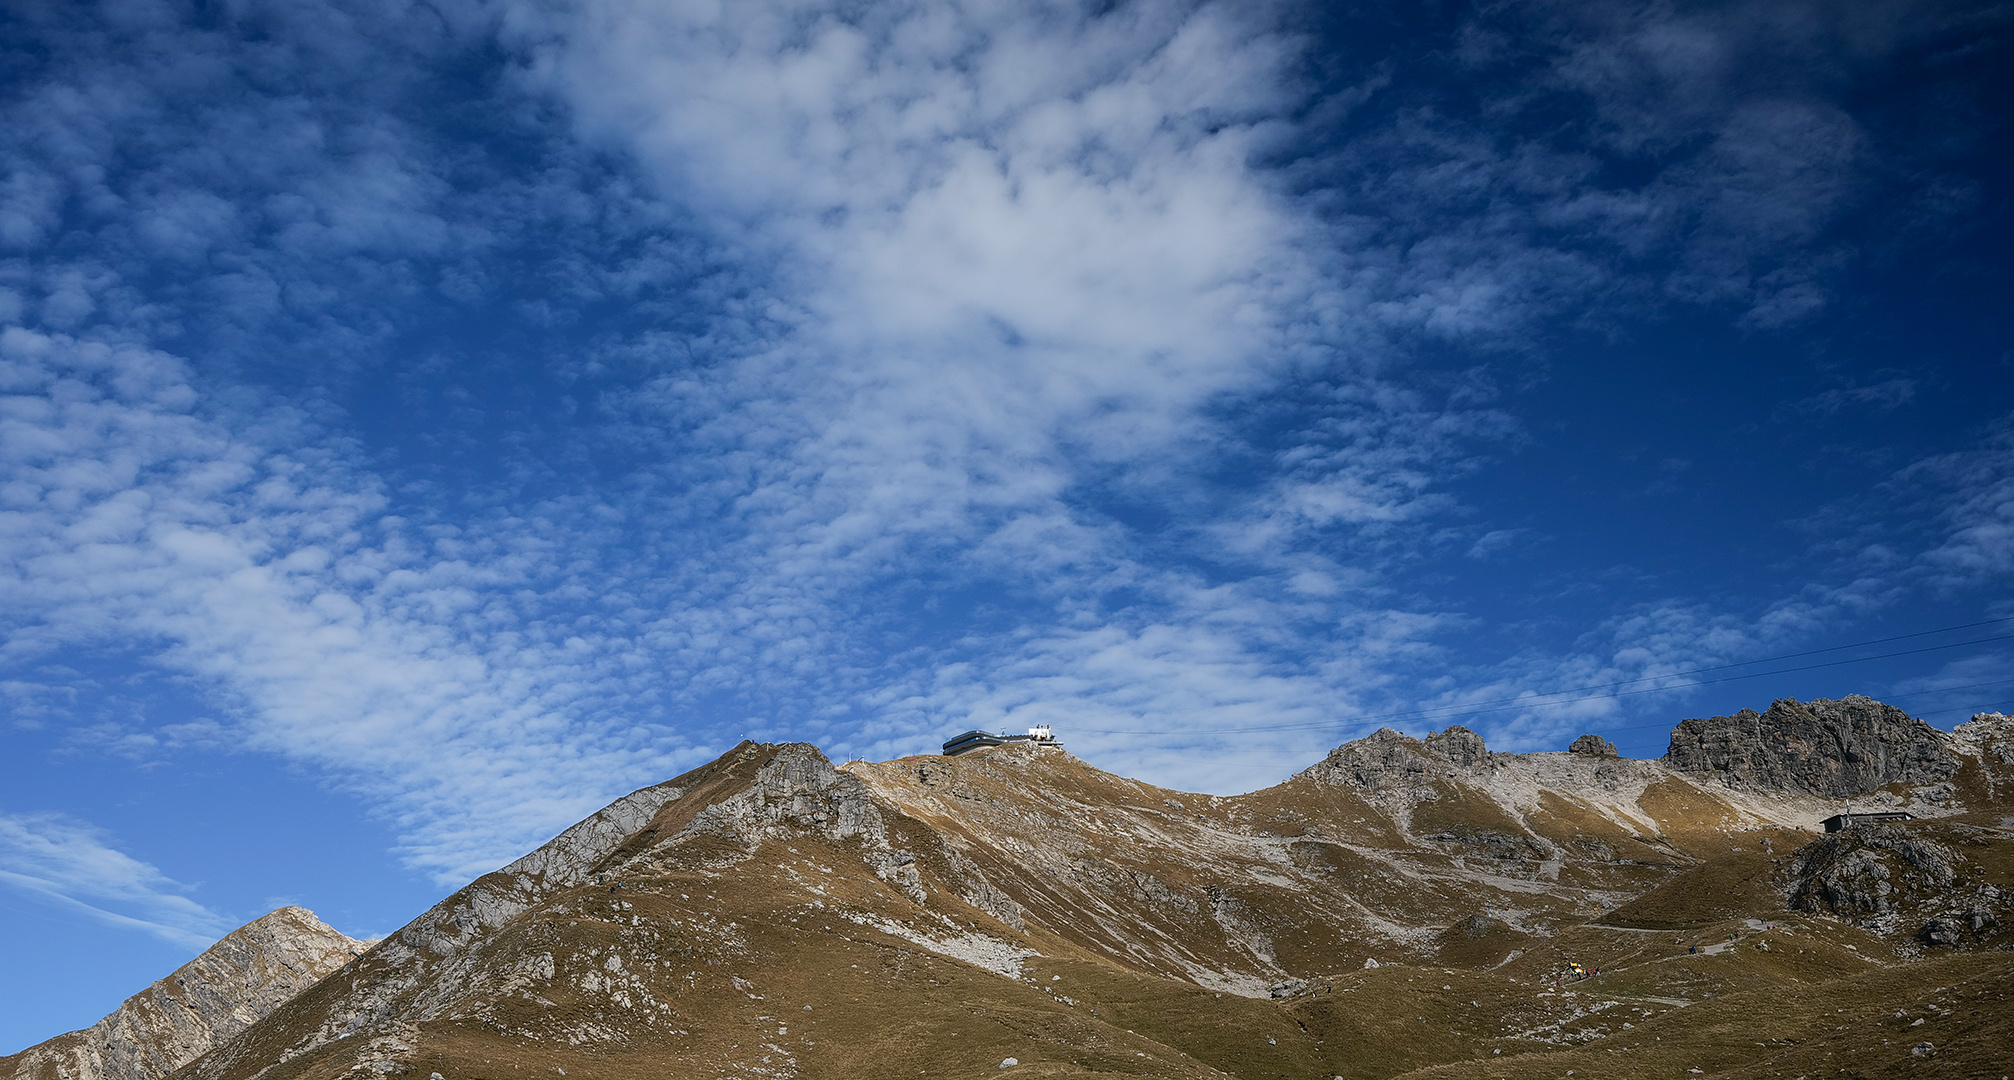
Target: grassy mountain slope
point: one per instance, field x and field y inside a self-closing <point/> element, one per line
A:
<point x="1402" y="905"/>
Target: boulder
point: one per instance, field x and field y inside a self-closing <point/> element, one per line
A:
<point x="1939" y="932"/>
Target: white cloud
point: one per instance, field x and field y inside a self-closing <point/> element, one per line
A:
<point x="1003" y="284"/>
<point x="1976" y="517"/>
<point x="1880" y="397"/>
<point x="73" y="865"/>
<point x="134" y="522"/>
<point x="1009" y="235"/>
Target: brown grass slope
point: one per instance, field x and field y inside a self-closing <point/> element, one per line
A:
<point x="1402" y="905"/>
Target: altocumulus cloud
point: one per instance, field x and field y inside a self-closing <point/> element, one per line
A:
<point x="1021" y="251"/>
<point x="280" y="580"/>
<point x="958" y="363"/>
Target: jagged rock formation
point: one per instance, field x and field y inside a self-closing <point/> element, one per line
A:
<point x="1834" y="749"/>
<point x="203" y="1003"/>
<point x="1946" y="885"/>
<point x="1403" y="903"/>
<point x="1383" y="760"/>
<point x="1593" y="746"/>
<point x="1459" y="745"/>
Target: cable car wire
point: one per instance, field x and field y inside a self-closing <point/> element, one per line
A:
<point x="1534" y="701"/>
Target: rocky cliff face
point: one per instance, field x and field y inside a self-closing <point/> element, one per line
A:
<point x="1833" y="749"/>
<point x="205" y="1002"/>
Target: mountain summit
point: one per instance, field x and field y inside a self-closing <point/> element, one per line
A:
<point x="1402" y="904"/>
<point x="201" y="1004"/>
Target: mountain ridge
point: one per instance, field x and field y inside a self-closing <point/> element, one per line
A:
<point x="773" y="914"/>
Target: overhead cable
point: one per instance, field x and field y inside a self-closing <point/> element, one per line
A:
<point x="1535" y="701"/>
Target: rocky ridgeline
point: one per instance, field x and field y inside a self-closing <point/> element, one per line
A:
<point x="660" y="927"/>
<point x="451" y="955"/>
<point x="1833" y="749"/>
<point x="756" y="798"/>
<point x="204" y="1003"/>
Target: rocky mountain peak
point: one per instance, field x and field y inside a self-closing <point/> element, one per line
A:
<point x="1379" y="761"/>
<point x="248" y="973"/>
<point x="1459" y="745"/>
<point x="1593" y="746"/>
<point x="1834" y="749"/>
<point x="1987" y="734"/>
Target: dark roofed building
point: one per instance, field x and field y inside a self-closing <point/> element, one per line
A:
<point x="1846" y="821"/>
<point x="971" y="740"/>
<point x="974" y="740"/>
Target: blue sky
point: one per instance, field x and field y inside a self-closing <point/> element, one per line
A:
<point x="420" y="424"/>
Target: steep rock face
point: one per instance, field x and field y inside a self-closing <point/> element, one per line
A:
<point x="1833" y="749"/>
<point x="205" y="1002"/>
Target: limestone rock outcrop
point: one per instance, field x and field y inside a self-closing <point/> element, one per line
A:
<point x="1382" y="760"/>
<point x="1459" y="745"/>
<point x="205" y="1002"/>
<point x="1905" y="879"/>
<point x="1865" y="870"/>
<point x="1593" y="746"/>
<point x="1833" y="749"/>
<point x="1389" y="761"/>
